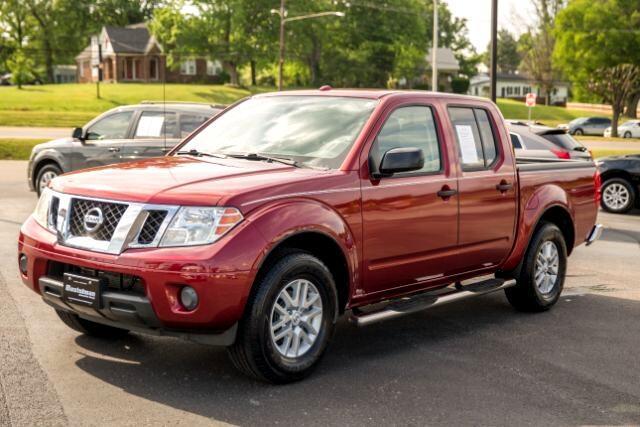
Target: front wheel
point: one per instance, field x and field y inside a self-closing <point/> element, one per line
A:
<point x="618" y="196"/>
<point x="45" y="176"/>
<point x="627" y="135"/>
<point x="578" y="132"/>
<point x="289" y="321"/>
<point x="542" y="275"/>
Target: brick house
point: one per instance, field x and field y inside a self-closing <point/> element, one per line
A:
<point x="132" y="54"/>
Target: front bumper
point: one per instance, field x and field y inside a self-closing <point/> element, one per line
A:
<point x="161" y="272"/>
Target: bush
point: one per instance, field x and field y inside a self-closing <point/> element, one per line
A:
<point x="460" y="85"/>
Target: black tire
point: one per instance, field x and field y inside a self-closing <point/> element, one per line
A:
<point x="627" y="135"/>
<point x="526" y="295"/>
<point x="90" y="328"/>
<point x="578" y="132"/>
<point x="254" y="352"/>
<point x="611" y="206"/>
<point x="47" y="170"/>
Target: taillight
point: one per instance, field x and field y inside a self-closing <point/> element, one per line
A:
<point x="561" y="154"/>
<point x="597" y="181"/>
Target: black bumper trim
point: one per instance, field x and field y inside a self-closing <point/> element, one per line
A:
<point x="126" y="311"/>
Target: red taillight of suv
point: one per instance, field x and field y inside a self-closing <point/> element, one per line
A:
<point x="561" y="154"/>
<point x="597" y="180"/>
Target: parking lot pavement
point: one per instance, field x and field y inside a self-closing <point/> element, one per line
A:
<point x="20" y="132"/>
<point x="477" y="362"/>
<point x="612" y="145"/>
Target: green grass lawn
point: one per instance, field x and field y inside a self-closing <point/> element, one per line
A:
<point x="17" y="149"/>
<point x="68" y="105"/>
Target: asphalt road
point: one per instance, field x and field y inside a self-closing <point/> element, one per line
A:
<point x="473" y="363"/>
<point x="19" y="132"/>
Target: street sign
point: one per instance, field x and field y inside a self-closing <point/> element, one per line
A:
<point x="531" y="99"/>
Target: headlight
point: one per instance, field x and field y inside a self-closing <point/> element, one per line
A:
<point x="41" y="213"/>
<point x="200" y="225"/>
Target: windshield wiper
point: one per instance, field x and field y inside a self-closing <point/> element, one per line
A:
<point x="196" y="153"/>
<point x="256" y="156"/>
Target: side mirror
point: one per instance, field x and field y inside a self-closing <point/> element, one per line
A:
<point x="78" y="133"/>
<point x="399" y="160"/>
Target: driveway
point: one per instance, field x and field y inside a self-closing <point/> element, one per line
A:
<point x="477" y="362"/>
<point x="33" y="132"/>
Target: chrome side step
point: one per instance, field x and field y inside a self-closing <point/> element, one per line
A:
<point x="428" y="300"/>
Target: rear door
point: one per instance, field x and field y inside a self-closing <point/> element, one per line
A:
<point x="410" y="230"/>
<point x="104" y="141"/>
<point x="487" y="188"/>
<point x="155" y="132"/>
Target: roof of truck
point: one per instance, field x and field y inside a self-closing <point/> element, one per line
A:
<point x="368" y="93"/>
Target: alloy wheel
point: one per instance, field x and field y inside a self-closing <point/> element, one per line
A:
<point x="296" y="318"/>
<point x="45" y="179"/>
<point x="547" y="267"/>
<point x="616" y="196"/>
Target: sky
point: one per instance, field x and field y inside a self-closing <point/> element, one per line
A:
<point x="512" y="15"/>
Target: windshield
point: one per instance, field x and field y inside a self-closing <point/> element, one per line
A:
<point x="564" y="140"/>
<point x="312" y="130"/>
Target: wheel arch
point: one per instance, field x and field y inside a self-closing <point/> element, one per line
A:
<point x="41" y="163"/>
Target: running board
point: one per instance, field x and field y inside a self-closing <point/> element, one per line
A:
<point x="428" y="300"/>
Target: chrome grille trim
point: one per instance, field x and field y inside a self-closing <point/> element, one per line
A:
<point x="124" y="236"/>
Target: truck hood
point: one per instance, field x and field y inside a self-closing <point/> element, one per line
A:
<point x="176" y="180"/>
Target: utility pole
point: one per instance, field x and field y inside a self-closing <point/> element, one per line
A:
<point x="99" y="69"/>
<point x="281" y="61"/>
<point x="494" y="49"/>
<point x="434" y="50"/>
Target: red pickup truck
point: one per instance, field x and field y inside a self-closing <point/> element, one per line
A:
<point x="287" y="210"/>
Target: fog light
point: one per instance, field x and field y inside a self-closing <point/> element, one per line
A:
<point x="189" y="298"/>
<point x="23" y="264"/>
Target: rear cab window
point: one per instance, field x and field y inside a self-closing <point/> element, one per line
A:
<point x="475" y="137"/>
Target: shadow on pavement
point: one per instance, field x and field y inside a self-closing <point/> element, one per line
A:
<point x="477" y="362"/>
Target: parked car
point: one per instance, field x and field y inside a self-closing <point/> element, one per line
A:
<point x="629" y="129"/>
<point x="587" y="126"/>
<point x="120" y="135"/>
<point x="537" y="141"/>
<point x="620" y="182"/>
<point x="289" y="209"/>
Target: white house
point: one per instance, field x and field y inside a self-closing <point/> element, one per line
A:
<point x="516" y="86"/>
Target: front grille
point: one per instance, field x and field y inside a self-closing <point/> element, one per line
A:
<point x="151" y="226"/>
<point x="112" y="281"/>
<point x="111" y="213"/>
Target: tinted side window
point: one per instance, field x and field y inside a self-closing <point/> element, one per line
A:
<point x="114" y="126"/>
<point x="515" y="141"/>
<point x="155" y="124"/>
<point x="474" y="134"/>
<point x="410" y="127"/>
<point x="189" y="123"/>
<point x="486" y="133"/>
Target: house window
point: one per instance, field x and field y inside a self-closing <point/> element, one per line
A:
<point x="213" y="68"/>
<point x="82" y="65"/>
<point x="153" y="69"/>
<point x="188" y="67"/>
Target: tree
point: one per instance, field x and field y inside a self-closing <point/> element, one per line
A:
<point x="508" y="54"/>
<point x="16" y="26"/>
<point x="20" y="66"/>
<point x="598" y="48"/>
<point x="538" y="43"/>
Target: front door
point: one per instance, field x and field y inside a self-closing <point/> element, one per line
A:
<point x="410" y="230"/>
<point x="488" y="189"/>
<point x="104" y="141"/>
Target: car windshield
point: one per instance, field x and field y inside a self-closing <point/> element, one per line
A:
<point x="316" y="131"/>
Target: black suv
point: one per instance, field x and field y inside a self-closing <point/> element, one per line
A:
<point x="620" y="182"/>
<point x="122" y="134"/>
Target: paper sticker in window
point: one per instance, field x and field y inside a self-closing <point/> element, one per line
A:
<point x="467" y="144"/>
<point x="150" y="126"/>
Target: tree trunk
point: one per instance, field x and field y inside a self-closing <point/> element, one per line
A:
<point x="614" y="121"/>
<point x="253" y="73"/>
<point x="232" y="69"/>
<point x="632" y="106"/>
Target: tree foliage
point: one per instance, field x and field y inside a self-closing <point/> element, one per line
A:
<point x="598" y="48"/>
<point x="509" y="57"/>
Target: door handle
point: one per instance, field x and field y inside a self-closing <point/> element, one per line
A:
<point x="114" y="149"/>
<point x="447" y="193"/>
<point x="504" y="186"/>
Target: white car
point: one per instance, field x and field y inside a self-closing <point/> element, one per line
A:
<point x="630" y="129"/>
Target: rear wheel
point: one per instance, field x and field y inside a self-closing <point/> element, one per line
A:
<point x="618" y="195"/>
<point x="289" y="321"/>
<point x="541" y="277"/>
<point x="88" y="327"/>
<point x="45" y="175"/>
